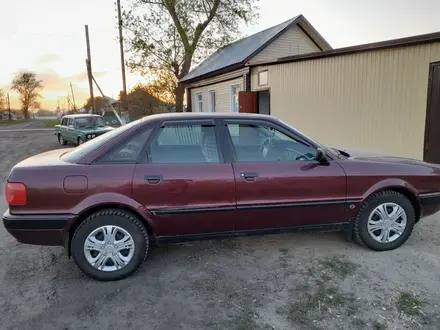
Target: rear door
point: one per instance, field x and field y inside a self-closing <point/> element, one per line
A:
<point x="184" y="181"/>
<point x="278" y="182"/>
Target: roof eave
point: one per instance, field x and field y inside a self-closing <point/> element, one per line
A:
<point x="389" y="44"/>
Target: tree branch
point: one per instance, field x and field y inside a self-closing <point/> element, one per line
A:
<point x="201" y="27"/>
<point x="170" y="5"/>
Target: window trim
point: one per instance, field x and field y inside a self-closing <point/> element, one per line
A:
<point x="267" y="77"/>
<point x="231" y="98"/>
<point x="198" y="103"/>
<point x="212" y="91"/>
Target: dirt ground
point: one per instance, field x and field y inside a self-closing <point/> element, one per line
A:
<point x="291" y="281"/>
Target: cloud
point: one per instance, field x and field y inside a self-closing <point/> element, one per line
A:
<point x="47" y="59"/>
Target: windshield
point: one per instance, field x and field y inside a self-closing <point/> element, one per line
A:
<point x="84" y="122"/>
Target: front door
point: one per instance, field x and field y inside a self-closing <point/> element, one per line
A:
<point x="432" y="126"/>
<point x="278" y="182"/>
<point x="184" y="182"/>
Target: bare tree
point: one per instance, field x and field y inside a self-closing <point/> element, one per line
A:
<point x="27" y="85"/>
<point x="169" y="35"/>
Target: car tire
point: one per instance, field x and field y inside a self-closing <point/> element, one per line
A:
<point x="382" y="205"/>
<point x="80" y="141"/>
<point x="61" y="140"/>
<point x="125" y="225"/>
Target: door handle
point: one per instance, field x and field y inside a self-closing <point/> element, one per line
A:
<point x="153" y="179"/>
<point x="249" y="176"/>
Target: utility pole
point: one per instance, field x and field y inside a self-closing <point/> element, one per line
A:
<point x="73" y="97"/>
<point x="121" y="46"/>
<point x="9" y="107"/>
<point x="89" y="69"/>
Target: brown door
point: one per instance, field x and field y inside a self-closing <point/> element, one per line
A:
<point x="432" y="125"/>
<point x="248" y="102"/>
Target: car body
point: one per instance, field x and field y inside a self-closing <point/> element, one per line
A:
<point x="80" y="128"/>
<point x="179" y="177"/>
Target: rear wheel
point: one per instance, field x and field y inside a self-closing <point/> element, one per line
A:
<point x="61" y="140"/>
<point x="80" y="141"/>
<point x="110" y="245"/>
<point x="385" y="221"/>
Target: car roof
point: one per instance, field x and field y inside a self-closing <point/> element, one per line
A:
<point x="77" y="115"/>
<point x="208" y="115"/>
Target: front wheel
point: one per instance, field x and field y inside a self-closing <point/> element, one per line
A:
<point x="80" y="141"/>
<point x="110" y="245"/>
<point x="61" y="140"/>
<point x="385" y="221"/>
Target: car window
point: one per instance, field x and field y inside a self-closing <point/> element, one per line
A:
<point x="83" y="122"/>
<point x="83" y="150"/>
<point x="260" y="143"/>
<point x="64" y="122"/>
<point x="128" y="151"/>
<point x="69" y="121"/>
<point x="184" y="144"/>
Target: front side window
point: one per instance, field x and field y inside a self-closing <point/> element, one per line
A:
<point x="70" y="122"/>
<point x="234" y="97"/>
<point x="64" y="122"/>
<point x="184" y="144"/>
<point x="260" y="143"/>
<point x="199" y="105"/>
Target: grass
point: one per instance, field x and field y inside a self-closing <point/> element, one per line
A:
<point x="409" y="304"/>
<point x="12" y="122"/>
<point x="51" y="123"/>
<point x="338" y="266"/>
<point x="318" y="303"/>
<point x="379" y="326"/>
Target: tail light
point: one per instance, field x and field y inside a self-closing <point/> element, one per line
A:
<point x="16" y="193"/>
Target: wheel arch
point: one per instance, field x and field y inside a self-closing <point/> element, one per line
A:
<point x="83" y="215"/>
<point x="405" y="189"/>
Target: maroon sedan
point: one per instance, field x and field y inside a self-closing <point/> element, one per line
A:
<point x="178" y="177"/>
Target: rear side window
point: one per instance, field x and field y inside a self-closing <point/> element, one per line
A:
<point x="84" y="149"/>
<point x="184" y="144"/>
<point x="127" y="152"/>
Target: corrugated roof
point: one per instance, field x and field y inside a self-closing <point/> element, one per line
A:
<point x="238" y="51"/>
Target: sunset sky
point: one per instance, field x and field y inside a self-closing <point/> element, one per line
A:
<point x="47" y="36"/>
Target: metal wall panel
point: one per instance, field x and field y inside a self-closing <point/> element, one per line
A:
<point x="373" y="100"/>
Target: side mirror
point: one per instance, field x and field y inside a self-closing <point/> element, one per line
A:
<point x="321" y="158"/>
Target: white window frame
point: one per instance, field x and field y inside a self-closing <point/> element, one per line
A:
<point x="199" y="103"/>
<point x="212" y="106"/>
<point x="267" y="78"/>
<point x="238" y="88"/>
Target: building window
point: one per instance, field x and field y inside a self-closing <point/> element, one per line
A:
<point x="262" y="78"/>
<point x="234" y="97"/>
<point x="212" y="101"/>
<point x="199" y="104"/>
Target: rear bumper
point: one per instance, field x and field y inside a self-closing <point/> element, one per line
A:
<point x="430" y="203"/>
<point x="37" y="229"/>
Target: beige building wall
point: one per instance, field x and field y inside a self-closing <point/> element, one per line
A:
<point x="292" y="42"/>
<point x="222" y="92"/>
<point x="373" y="100"/>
